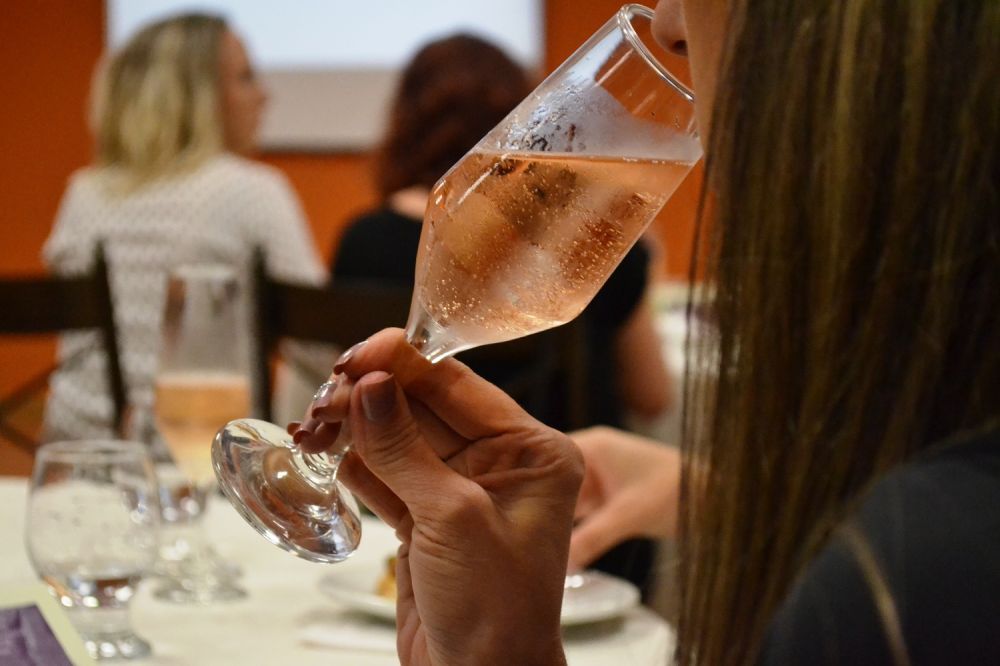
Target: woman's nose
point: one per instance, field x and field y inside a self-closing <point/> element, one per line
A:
<point x="668" y="26"/>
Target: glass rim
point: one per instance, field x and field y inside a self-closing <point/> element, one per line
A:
<point x="92" y="450"/>
<point x="624" y="19"/>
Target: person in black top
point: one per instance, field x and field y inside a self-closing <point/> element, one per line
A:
<point x="839" y="489"/>
<point x="451" y="94"/>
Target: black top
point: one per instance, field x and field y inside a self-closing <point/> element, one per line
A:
<point x="933" y="527"/>
<point x="382" y="244"/>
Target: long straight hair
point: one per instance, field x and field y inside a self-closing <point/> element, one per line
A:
<point x="854" y="246"/>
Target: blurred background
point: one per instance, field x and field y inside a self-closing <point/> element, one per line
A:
<point x="47" y="58"/>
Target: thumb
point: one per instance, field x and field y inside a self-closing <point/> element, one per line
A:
<point x="388" y="440"/>
<point x="595" y="535"/>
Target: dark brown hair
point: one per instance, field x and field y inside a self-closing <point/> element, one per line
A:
<point x="854" y="165"/>
<point x="451" y="94"/>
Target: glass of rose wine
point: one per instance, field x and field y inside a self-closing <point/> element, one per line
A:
<point x="202" y="381"/>
<point x="517" y="238"/>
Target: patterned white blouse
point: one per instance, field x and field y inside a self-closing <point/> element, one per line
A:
<point x="218" y="213"/>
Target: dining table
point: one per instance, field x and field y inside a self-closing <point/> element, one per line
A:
<point x="289" y="615"/>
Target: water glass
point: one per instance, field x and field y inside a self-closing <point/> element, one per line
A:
<point x="201" y="383"/>
<point x="91" y="532"/>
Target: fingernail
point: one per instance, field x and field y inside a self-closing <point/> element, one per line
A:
<point x="305" y="430"/>
<point x="321" y="438"/>
<point x="378" y="398"/>
<point x="322" y="397"/>
<point x="338" y="367"/>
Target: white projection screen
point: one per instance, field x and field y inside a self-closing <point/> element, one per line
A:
<point x="330" y="65"/>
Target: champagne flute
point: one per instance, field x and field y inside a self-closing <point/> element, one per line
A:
<point x="91" y="535"/>
<point x="201" y="382"/>
<point x="517" y="238"/>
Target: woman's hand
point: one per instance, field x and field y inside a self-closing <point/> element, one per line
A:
<point x="480" y="494"/>
<point x="630" y="489"/>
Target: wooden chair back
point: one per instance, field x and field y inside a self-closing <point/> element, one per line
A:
<point x="50" y="305"/>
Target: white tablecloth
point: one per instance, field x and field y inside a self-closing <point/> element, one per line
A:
<point x="671" y="325"/>
<point x="269" y="627"/>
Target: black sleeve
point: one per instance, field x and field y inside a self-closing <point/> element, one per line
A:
<point x="353" y="257"/>
<point x="828" y="619"/>
<point x="933" y="531"/>
<point x="378" y="246"/>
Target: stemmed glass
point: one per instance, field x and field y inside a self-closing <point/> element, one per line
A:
<point x="91" y="534"/>
<point x="202" y="381"/>
<point x="517" y="238"/>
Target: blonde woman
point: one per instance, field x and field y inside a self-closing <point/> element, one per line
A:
<point x="176" y="114"/>
<point x="840" y="492"/>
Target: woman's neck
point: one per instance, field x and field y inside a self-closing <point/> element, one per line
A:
<point x="410" y="202"/>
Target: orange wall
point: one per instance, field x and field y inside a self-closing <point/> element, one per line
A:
<point x="47" y="53"/>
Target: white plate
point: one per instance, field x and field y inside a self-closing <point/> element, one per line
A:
<point x="591" y="597"/>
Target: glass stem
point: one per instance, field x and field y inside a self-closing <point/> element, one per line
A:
<point x="101" y="621"/>
<point x="319" y="466"/>
<point x="431" y="339"/>
<point x="317" y="469"/>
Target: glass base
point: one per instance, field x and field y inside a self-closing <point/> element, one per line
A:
<point x="292" y="501"/>
<point x="191" y="571"/>
<point x="188" y="568"/>
<point x="191" y="566"/>
<point x="106" y="632"/>
<point x="197" y="591"/>
<point x="197" y="576"/>
<point x="123" y="645"/>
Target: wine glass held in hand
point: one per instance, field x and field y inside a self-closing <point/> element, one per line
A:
<point x="517" y="238"/>
<point x="202" y="382"/>
<point x="92" y="534"/>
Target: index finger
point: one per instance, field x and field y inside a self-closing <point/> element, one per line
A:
<point x="470" y="405"/>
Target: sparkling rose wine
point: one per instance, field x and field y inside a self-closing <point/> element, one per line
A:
<point x="190" y="408"/>
<point x="517" y="243"/>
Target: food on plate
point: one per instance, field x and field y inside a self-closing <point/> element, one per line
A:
<point x="386" y="586"/>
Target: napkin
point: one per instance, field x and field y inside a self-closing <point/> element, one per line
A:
<point x="349" y="631"/>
